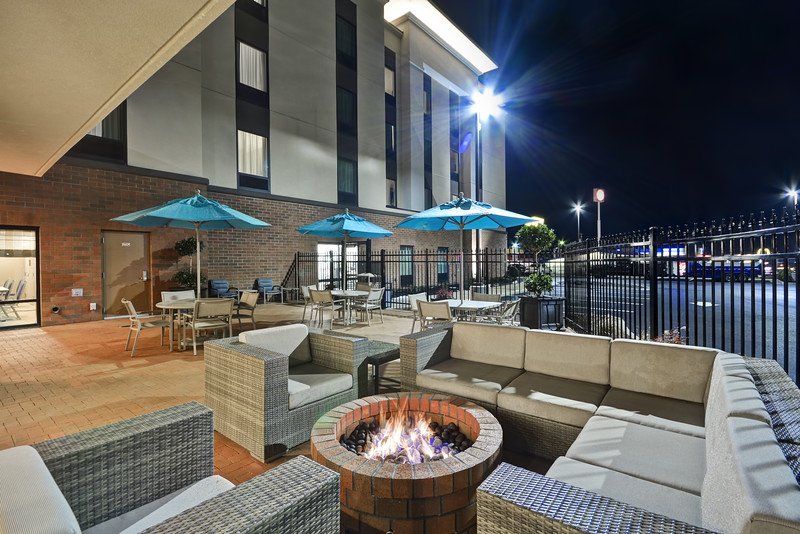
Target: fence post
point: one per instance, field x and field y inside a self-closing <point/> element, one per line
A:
<point x="588" y="288"/>
<point x="653" y="284"/>
<point x="427" y="271"/>
<point x="297" y="269"/>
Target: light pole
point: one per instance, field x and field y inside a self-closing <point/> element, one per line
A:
<point x="792" y="193"/>
<point x="599" y="197"/>
<point x="578" y="207"/>
<point x="485" y="104"/>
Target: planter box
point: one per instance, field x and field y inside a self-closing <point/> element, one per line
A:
<point x="542" y="312"/>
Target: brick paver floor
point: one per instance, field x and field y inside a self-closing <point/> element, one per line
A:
<point x="61" y="379"/>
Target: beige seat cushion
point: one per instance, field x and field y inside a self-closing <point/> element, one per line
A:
<point x="291" y="340"/>
<point x="660" y="456"/>
<point x="653" y="497"/>
<point x="474" y="380"/>
<point x="749" y="486"/>
<point x="30" y="499"/>
<point x="498" y="345"/>
<point x="661" y="369"/>
<point x="567" y="355"/>
<point x="659" y="412"/>
<point x="557" y="399"/>
<point x="733" y="393"/>
<point x="322" y="382"/>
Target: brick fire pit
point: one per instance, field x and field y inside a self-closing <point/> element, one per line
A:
<point x="436" y="496"/>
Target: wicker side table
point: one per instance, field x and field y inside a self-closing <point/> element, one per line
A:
<point x="379" y="353"/>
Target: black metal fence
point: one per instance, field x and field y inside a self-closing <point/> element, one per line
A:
<point x="731" y="286"/>
<point x="435" y="272"/>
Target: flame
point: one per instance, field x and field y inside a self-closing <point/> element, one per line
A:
<point x="409" y="435"/>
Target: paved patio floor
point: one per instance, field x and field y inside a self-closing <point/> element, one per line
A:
<point x="61" y="379"/>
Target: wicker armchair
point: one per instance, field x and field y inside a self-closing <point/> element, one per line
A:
<point x="107" y="471"/>
<point x="247" y="386"/>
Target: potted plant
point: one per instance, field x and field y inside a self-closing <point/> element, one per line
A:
<point x="539" y="310"/>
<point x="188" y="277"/>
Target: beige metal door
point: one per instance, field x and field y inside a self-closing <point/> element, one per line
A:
<point x="126" y="271"/>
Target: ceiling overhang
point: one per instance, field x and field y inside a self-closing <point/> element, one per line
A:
<point x="65" y="65"/>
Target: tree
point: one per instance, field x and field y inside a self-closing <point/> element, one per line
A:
<point x="187" y="247"/>
<point x="535" y="239"/>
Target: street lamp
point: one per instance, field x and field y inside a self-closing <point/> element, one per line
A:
<point x="485" y="104"/>
<point x="599" y="196"/>
<point x="792" y="193"/>
<point x="578" y="208"/>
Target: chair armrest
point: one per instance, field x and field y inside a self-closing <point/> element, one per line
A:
<point x="299" y="496"/>
<point x="106" y="471"/>
<point x="420" y="350"/>
<point x="342" y="352"/>
<point x="247" y="387"/>
<point x="515" y="500"/>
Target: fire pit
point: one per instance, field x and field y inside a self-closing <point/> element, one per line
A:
<point x="435" y="495"/>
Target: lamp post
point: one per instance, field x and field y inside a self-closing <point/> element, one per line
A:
<point x="792" y="193"/>
<point x="599" y="196"/>
<point x="578" y="208"/>
<point x="485" y="104"/>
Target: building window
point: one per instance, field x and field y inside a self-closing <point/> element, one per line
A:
<point x="427" y="145"/>
<point x="345" y="43"/>
<point x="391" y="193"/>
<point x="252" y="67"/>
<point x="406" y="265"/>
<point x="391" y="141"/>
<point x="262" y="3"/>
<point x="346" y="110"/>
<point x="253" y="160"/>
<point x="106" y="141"/>
<point x="442" y="267"/>
<point x="388" y="81"/>
<point x="347" y="180"/>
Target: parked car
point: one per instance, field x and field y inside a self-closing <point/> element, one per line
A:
<point x="722" y="270"/>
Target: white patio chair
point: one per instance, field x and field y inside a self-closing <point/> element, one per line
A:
<point x="372" y="302"/>
<point x="412" y="301"/>
<point x="433" y="313"/>
<point x="307" y="301"/>
<point x="246" y="308"/>
<point x="210" y="314"/>
<point x="138" y="325"/>
<point x="324" y="300"/>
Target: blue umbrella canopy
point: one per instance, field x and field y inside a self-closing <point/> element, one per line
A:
<point x="344" y="225"/>
<point x="196" y="212"/>
<point x="463" y="214"/>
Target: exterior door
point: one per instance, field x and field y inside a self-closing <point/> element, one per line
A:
<point x="126" y="271"/>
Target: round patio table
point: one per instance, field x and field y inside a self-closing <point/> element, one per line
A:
<point x="175" y="306"/>
<point x="349" y="296"/>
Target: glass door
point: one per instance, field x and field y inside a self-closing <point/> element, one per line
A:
<point x="19" y="277"/>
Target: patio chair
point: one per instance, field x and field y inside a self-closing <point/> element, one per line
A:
<point x="433" y="313"/>
<point x="372" y="302"/>
<point x="138" y="325"/>
<point x="508" y="316"/>
<point x="485" y="297"/>
<point x="219" y="288"/>
<point x="307" y="300"/>
<point x="12" y="296"/>
<point x="157" y="470"/>
<point x="412" y="301"/>
<point x="363" y="286"/>
<point x="323" y="300"/>
<point x="209" y="314"/>
<point x="246" y="308"/>
<point x="266" y="288"/>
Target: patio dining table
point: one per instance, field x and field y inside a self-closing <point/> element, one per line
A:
<point x="469" y="307"/>
<point x="349" y="296"/>
<point x="174" y="306"/>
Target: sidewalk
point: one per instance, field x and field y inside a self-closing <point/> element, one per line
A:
<point x="61" y="379"/>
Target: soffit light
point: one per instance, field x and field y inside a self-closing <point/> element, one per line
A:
<point x="445" y="30"/>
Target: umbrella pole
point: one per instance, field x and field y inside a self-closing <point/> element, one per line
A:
<point x="461" y="235"/>
<point x="197" y="242"/>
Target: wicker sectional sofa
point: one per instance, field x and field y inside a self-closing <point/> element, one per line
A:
<point x="155" y="472"/>
<point x="646" y="437"/>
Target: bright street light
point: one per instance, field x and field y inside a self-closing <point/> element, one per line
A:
<point x="578" y="208"/>
<point x="792" y="193"/>
<point x="485" y="104"/>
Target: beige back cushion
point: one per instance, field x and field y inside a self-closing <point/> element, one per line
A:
<point x="290" y="339"/>
<point x="498" y="345"/>
<point x="748" y="486"/>
<point x="732" y="391"/>
<point x="675" y="371"/>
<point x="573" y="356"/>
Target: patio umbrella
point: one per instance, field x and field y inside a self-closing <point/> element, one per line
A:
<point x="196" y="212"/>
<point x="463" y="214"/>
<point x="344" y="225"/>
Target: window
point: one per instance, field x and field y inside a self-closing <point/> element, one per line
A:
<point x="442" y="267"/>
<point x="347" y="179"/>
<point x="391" y="193"/>
<point x="345" y="42"/>
<point x="345" y="110"/>
<point x="252" y="67"/>
<point x="388" y="81"/>
<point x="253" y="154"/>
<point x="406" y="265"/>
<point x="454" y="163"/>
<point x="262" y="3"/>
<point x="106" y="141"/>
<point x="391" y="147"/>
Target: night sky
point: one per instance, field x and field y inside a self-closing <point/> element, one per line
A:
<point x="684" y="111"/>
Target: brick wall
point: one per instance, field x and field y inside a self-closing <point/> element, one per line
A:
<point x="71" y="205"/>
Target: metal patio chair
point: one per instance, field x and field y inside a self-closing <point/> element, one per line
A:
<point x="138" y="325"/>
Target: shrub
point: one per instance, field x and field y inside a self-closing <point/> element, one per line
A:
<point x="539" y="284"/>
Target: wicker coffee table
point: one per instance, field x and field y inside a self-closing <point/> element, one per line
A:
<point x="381" y="352"/>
